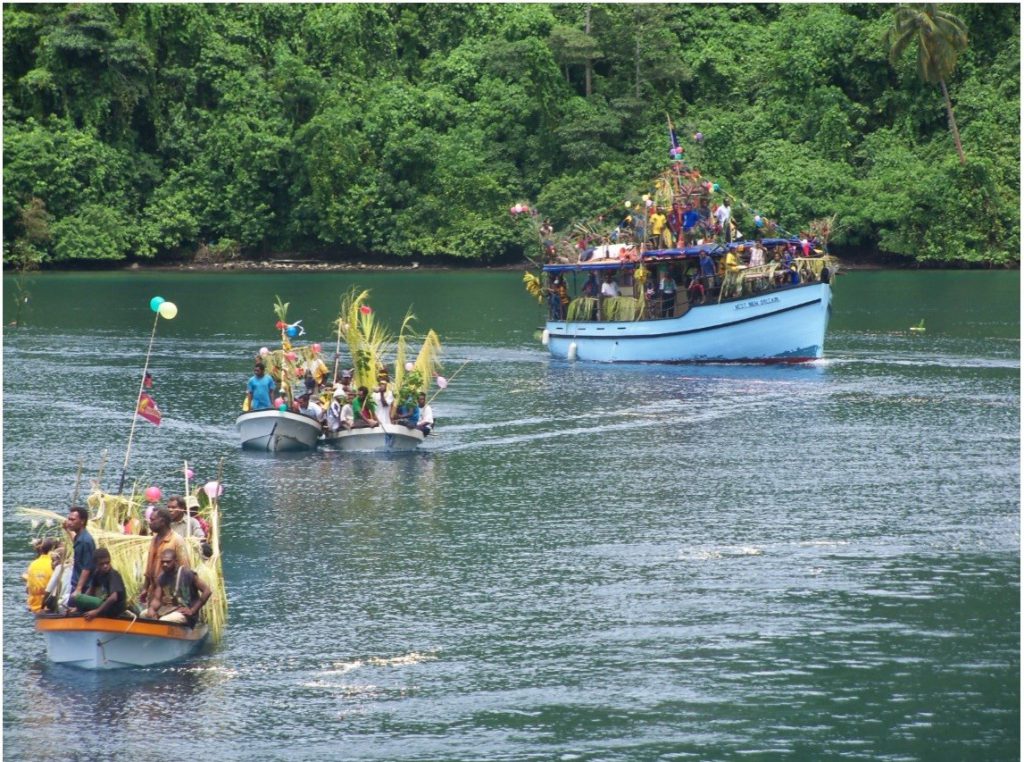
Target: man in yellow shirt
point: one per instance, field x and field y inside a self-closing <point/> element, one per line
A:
<point x="38" y="574"/>
<point x="656" y="226"/>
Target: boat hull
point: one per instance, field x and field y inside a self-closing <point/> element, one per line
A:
<point x="787" y="325"/>
<point x="383" y="438"/>
<point x="277" y="431"/>
<point x="106" y="643"/>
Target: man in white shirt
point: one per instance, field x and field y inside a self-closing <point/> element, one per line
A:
<point x="426" y="419"/>
<point x="609" y="287"/>
<point x="723" y="215"/>
<point x="348" y="413"/>
<point x="182" y="524"/>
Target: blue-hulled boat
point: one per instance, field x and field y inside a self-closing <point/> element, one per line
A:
<point x="776" y="312"/>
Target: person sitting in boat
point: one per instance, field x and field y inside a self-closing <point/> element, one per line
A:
<point x="408" y="413"/>
<point x="106" y="595"/>
<point x="182" y="524"/>
<point x="383" y="399"/>
<point x="425" y="422"/>
<point x="362" y="409"/>
<point x="335" y="420"/>
<point x="164" y="539"/>
<point x="307" y="406"/>
<point x="260" y="389"/>
<point x="179" y="593"/>
<point x="38" y="574"/>
<point x="54" y="597"/>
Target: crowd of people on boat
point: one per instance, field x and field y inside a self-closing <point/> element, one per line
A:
<point x="765" y="266"/>
<point x="83" y="581"/>
<point x="338" y="406"/>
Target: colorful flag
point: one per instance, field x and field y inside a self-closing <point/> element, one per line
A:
<point x="147" y="380"/>
<point x="148" y="409"/>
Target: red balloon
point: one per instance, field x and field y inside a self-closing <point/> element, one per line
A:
<point x="281" y="325"/>
<point x="365" y="309"/>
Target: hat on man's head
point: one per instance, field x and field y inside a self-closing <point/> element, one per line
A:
<point x="338" y="393"/>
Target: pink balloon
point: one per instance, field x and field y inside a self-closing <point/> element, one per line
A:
<point x="278" y="402"/>
<point x="408" y="367"/>
<point x="291" y="357"/>
<point x="365" y="309"/>
<point x="511" y="210"/>
<point x="442" y="382"/>
<point x="213" y="489"/>
<point x="189" y="473"/>
<point x="316" y="348"/>
<point x="264" y="351"/>
<point x="149" y="512"/>
<point x="152" y="494"/>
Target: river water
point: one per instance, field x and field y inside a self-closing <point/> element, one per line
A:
<point x="585" y="563"/>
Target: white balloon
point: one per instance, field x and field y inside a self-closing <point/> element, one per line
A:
<point x="442" y="382"/>
<point x="168" y="310"/>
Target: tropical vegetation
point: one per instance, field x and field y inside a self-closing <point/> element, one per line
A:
<point x="170" y="132"/>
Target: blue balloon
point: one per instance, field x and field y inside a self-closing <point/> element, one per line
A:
<point x="155" y="302"/>
<point x="293" y="331"/>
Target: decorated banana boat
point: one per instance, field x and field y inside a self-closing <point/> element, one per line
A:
<point x="385" y="437"/>
<point x="673" y="283"/>
<point x="315" y="406"/>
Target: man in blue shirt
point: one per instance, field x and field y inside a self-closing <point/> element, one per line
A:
<point x="84" y="548"/>
<point x="260" y="389"/>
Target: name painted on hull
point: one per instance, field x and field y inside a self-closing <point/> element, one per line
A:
<point x="757" y="303"/>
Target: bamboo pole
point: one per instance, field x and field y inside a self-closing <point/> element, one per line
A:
<point x="135" y="408"/>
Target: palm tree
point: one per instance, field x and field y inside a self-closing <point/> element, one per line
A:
<point x="941" y="37"/>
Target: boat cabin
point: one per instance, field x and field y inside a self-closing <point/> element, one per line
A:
<point x="623" y="282"/>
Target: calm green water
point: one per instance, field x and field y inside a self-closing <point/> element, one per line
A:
<point x="585" y="563"/>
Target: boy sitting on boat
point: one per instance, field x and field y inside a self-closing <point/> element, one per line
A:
<point x="105" y="595"/>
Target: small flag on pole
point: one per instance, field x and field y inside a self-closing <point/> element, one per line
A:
<point x="147" y="409"/>
<point x="673" y="141"/>
<point x="147" y="380"/>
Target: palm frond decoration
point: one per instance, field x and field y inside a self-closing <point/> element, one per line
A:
<point x="622" y="308"/>
<point x="533" y="286"/>
<point x="582" y="308"/>
<point x="427" y="362"/>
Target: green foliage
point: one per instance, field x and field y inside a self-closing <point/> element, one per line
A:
<point x="152" y="131"/>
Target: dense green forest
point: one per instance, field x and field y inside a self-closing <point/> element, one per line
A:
<point x="162" y="132"/>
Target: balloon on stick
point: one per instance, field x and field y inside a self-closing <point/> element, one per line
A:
<point x="152" y="494"/>
<point x="442" y="382"/>
<point x="264" y="351"/>
<point x="168" y="310"/>
<point x="409" y="366"/>
<point x="155" y="302"/>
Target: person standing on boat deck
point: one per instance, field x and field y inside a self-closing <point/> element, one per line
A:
<point x="163" y="540"/>
<point x="707" y="272"/>
<point x="182" y="524"/>
<point x="362" y="409"/>
<point x="179" y="593"/>
<point x="383" y="399"/>
<point x="85" y="546"/>
<point x="668" y="295"/>
<point x="106" y="595"/>
<point x="38" y="574"/>
<point x="723" y="215"/>
<point x="609" y="287"/>
<point x="260" y="389"/>
<point x="425" y="421"/>
<point x="757" y="254"/>
<point x="658" y="221"/>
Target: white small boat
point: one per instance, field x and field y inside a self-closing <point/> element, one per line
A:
<point x="115" y="643"/>
<point x="386" y="437"/>
<point x="277" y="431"/>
